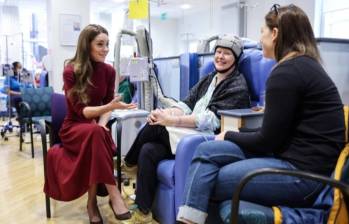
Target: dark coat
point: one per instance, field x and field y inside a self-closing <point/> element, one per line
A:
<point x="231" y="93"/>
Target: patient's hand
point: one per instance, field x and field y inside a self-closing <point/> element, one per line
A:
<point x="220" y="136"/>
<point x="160" y="117"/>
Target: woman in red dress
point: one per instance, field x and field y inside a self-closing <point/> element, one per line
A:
<point x="85" y="158"/>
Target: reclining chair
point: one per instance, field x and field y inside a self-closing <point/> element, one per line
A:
<point x="172" y="173"/>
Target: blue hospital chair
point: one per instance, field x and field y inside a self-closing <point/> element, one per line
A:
<point x="331" y="205"/>
<point x="172" y="173"/>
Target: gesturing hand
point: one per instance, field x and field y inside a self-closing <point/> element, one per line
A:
<point x="117" y="104"/>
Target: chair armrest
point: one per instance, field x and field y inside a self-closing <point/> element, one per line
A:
<point x="246" y="120"/>
<point x="42" y="124"/>
<point x="118" y="121"/>
<point x="184" y="154"/>
<point x="110" y="122"/>
<point x="296" y="173"/>
<point x="42" y="128"/>
<point x="24" y="110"/>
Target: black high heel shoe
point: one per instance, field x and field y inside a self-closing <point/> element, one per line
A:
<point x="99" y="215"/>
<point x="123" y="216"/>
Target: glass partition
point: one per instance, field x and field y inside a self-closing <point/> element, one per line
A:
<point x="335" y="56"/>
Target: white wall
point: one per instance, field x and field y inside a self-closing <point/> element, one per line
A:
<point x="9" y="19"/>
<point x="171" y="36"/>
<point x="58" y="53"/>
<point x="258" y="9"/>
<point x="106" y="20"/>
<point x="16" y="23"/>
<point x="164" y="36"/>
<point x="163" y="33"/>
<point x="219" y="19"/>
<point x="10" y="36"/>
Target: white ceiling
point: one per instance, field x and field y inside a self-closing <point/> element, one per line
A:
<point x="26" y="4"/>
<point x="172" y="8"/>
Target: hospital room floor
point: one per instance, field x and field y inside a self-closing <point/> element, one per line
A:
<point x="21" y="189"/>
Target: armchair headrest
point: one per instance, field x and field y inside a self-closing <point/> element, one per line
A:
<point x="254" y="67"/>
<point x="256" y="70"/>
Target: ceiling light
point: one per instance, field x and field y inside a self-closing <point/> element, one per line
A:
<point x="185" y="6"/>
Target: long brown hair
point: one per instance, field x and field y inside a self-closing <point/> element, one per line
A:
<point x="82" y="62"/>
<point x="295" y="33"/>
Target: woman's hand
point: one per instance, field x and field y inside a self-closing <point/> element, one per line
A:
<point x="103" y="126"/>
<point x="220" y="136"/>
<point x="161" y="117"/>
<point x="93" y="121"/>
<point x="117" y="104"/>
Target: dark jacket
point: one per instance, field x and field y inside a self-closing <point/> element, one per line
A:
<point x="231" y="93"/>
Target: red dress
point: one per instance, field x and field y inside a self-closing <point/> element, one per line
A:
<point x="85" y="156"/>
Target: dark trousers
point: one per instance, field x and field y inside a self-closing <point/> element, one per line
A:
<point x="15" y="101"/>
<point x="150" y="147"/>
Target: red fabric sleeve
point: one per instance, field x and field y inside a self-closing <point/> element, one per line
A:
<point x="110" y="85"/>
<point x="69" y="81"/>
